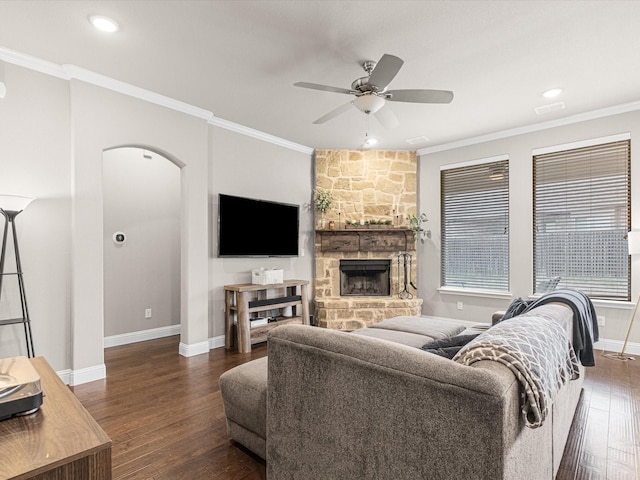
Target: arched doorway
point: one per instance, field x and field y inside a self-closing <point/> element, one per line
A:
<point x="141" y="249"/>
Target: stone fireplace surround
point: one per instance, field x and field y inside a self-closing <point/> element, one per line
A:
<point x="366" y="185"/>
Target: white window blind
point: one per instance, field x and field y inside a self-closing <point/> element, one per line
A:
<point x="475" y="221"/>
<point x="581" y="215"/>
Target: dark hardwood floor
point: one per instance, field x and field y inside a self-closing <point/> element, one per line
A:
<point x="164" y="414"/>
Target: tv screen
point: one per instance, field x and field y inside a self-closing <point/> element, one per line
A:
<point x="248" y="227"/>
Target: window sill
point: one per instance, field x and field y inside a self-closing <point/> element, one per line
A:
<point x="472" y="292"/>
<point x="614" y="304"/>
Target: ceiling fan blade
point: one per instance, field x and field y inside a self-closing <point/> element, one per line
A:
<point x="333" y="113"/>
<point x="386" y="117"/>
<point x="420" y="96"/>
<point x="385" y="71"/>
<point x="325" y="88"/>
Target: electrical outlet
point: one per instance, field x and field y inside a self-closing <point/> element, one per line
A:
<point x="601" y="320"/>
<point x="147" y="313"/>
<point x="460" y="305"/>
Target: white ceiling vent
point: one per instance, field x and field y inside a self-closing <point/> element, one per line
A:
<point x="417" y="140"/>
<point x="552" y="107"/>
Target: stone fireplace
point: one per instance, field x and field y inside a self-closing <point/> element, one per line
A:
<point x="359" y="267"/>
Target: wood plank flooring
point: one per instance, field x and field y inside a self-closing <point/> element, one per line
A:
<point x="165" y="417"/>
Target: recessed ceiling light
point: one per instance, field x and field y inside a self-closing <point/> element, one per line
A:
<point x="104" y="24"/>
<point x="552" y="93"/>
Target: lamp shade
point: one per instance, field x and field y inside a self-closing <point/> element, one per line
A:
<point x="633" y="240"/>
<point x="14" y="203"/>
<point x="369" y="103"/>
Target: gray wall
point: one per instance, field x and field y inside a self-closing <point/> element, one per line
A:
<point x="519" y="148"/>
<point x="53" y="135"/>
<point x="141" y="199"/>
<point x="248" y="167"/>
<point x="35" y="157"/>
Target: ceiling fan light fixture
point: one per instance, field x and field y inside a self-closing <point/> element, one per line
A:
<point x="369" y="103"/>
<point x="369" y="141"/>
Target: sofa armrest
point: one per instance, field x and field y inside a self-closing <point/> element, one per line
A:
<point x="353" y="407"/>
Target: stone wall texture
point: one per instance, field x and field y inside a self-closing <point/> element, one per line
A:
<point x="369" y="184"/>
<point x="365" y="185"/>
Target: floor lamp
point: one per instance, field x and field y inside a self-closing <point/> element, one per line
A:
<point x="633" y="241"/>
<point x="10" y="207"/>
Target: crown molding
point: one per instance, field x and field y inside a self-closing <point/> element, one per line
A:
<point x="580" y="117"/>
<point x="74" y="72"/>
<point x="68" y="72"/>
<point x="32" y="63"/>
<point x="265" y="137"/>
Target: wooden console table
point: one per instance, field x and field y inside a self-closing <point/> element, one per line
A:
<point x="237" y="300"/>
<point x="60" y="441"/>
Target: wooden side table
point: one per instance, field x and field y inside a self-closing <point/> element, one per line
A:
<point x="238" y="300"/>
<point x="60" y="441"/>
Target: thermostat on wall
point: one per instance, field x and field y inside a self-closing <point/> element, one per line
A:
<point x="119" y="238"/>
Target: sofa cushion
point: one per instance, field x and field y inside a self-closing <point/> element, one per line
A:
<point x="396" y="336"/>
<point x="448" y="347"/>
<point x="434" y="327"/>
<point x="244" y="394"/>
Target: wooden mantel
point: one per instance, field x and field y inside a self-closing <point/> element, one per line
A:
<point x="367" y="240"/>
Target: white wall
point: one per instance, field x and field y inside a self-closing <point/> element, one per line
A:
<point x="142" y="200"/>
<point x="35" y="155"/>
<point x="248" y="167"/>
<point x="53" y="135"/>
<point x="519" y="148"/>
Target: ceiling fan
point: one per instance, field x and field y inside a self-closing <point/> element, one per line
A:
<point x="372" y="94"/>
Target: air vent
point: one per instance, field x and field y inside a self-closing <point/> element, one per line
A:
<point x="417" y="140"/>
<point x="552" y="107"/>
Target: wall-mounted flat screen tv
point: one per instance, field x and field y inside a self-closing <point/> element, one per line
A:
<point x="248" y="227"/>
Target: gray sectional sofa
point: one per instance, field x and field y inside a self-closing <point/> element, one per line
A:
<point x="370" y="405"/>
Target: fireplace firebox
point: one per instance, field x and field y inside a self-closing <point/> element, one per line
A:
<point x="365" y="277"/>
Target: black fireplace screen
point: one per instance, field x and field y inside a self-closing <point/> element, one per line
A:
<point x="365" y="277"/>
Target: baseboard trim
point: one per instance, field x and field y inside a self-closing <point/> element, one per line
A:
<point x="192" y="349"/>
<point x="216" y="342"/>
<point x="616" y="346"/>
<point x="98" y="372"/>
<point x="141" y="336"/>
<point x="85" y="375"/>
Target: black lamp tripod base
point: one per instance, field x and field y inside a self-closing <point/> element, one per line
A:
<point x="24" y="320"/>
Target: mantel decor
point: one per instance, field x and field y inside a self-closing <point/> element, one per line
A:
<point x="322" y="200"/>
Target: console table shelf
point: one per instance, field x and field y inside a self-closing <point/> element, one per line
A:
<point x="239" y="304"/>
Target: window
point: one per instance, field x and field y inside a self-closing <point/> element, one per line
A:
<point x="581" y="215"/>
<point x="475" y="225"/>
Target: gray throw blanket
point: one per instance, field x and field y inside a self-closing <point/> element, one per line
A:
<point x="585" y="320"/>
<point x="538" y="352"/>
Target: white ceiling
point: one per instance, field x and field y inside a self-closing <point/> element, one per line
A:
<point x="239" y="59"/>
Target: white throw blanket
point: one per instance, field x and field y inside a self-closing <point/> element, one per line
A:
<point x="537" y="350"/>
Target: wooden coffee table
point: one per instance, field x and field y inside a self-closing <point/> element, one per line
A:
<point x="60" y="441"/>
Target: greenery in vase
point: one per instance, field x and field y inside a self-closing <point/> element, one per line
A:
<point x="323" y="200"/>
<point x="415" y="225"/>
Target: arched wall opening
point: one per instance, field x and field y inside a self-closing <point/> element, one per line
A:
<point x="141" y="247"/>
<point x="103" y="120"/>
